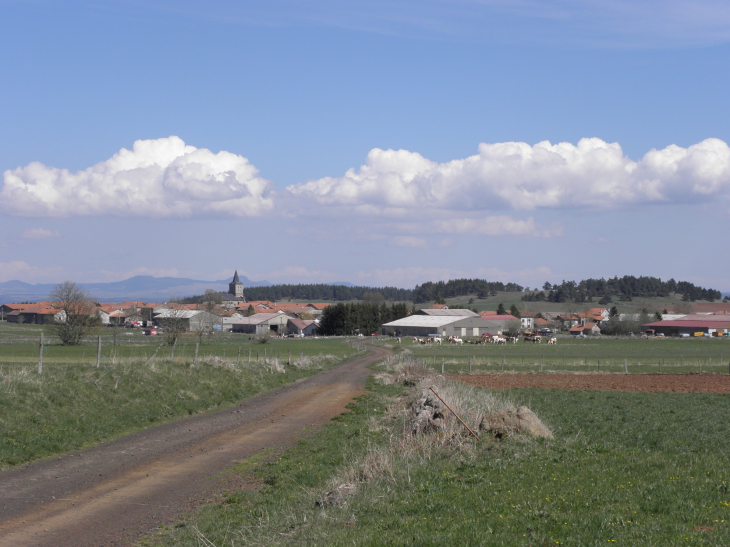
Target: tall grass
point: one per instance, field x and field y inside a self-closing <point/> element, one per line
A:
<point x="73" y="405"/>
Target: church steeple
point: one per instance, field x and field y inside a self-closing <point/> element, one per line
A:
<point x="235" y="287"/>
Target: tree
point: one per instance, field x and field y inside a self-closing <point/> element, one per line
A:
<point x="613" y="312"/>
<point x="514" y="312"/>
<point x="501" y="310"/>
<point x="76" y="319"/>
<point x="547" y="286"/>
<point x="658" y="316"/>
<point x="211" y="300"/>
<point x="440" y="299"/>
<point x="512" y="328"/>
<point x="250" y="311"/>
<point x="373" y="296"/>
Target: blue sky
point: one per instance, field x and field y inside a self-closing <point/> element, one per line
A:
<point x="365" y="141"/>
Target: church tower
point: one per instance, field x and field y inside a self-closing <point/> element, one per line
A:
<point x="235" y="287"/>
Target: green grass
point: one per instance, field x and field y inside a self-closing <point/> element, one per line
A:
<point x="623" y="469"/>
<point x="73" y="404"/>
<point x="576" y="355"/>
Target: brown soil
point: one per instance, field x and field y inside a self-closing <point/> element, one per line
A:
<point x="669" y="383"/>
<point x="114" y="493"/>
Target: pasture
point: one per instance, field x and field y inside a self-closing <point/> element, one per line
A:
<point x="579" y="355"/>
<point x="74" y="403"/>
<point x="623" y="469"/>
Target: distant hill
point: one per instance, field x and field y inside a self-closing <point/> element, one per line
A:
<point x="139" y="287"/>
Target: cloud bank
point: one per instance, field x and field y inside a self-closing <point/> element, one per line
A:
<point x="486" y="193"/>
<point x="519" y="177"/>
<point x="157" y="179"/>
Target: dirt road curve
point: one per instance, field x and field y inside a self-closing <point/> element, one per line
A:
<point x="114" y="493"/>
<point x="668" y="383"/>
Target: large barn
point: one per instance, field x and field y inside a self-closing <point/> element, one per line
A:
<point x="445" y="322"/>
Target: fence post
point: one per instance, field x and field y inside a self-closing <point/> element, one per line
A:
<point x="249" y="356"/>
<point x="172" y="354"/>
<point x="502" y="363"/>
<point x="599" y="365"/>
<point x="660" y="365"/>
<point x="699" y="361"/>
<point x="542" y="362"/>
<point x="238" y="359"/>
<point x="40" y="357"/>
<point x="626" y="366"/>
<point x="470" y="364"/>
<point x="98" y="352"/>
<point x="442" y="365"/>
<point x="288" y="359"/>
<point x="195" y="359"/>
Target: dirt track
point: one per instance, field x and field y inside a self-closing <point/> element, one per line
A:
<point x="116" y="492"/>
<point x="670" y="383"/>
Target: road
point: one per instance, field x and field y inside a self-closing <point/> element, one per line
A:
<point x="114" y="493"/>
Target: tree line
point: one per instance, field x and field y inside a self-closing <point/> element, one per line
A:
<point x="623" y="288"/>
<point x="345" y="318"/>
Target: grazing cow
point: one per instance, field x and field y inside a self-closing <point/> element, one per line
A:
<point x="399" y="339"/>
<point x="537" y="339"/>
<point x="437" y="340"/>
<point x="552" y="341"/>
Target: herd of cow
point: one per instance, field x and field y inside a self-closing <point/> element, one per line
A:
<point x="484" y="339"/>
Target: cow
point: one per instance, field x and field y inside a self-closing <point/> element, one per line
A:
<point x="552" y="341"/>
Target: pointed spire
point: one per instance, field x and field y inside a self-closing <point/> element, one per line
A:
<point x="235" y="277"/>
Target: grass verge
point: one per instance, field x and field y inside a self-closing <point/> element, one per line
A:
<point x="623" y="468"/>
<point x="73" y="405"/>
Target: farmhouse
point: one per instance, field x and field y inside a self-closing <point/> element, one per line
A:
<point x="301" y="327"/>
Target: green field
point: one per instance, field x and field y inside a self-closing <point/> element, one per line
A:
<point x="580" y="355"/>
<point x="73" y="403"/>
<point x="623" y="469"/>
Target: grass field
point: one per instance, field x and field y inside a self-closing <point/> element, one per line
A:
<point x="581" y="355"/>
<point x="73" y="403"/>
<point x="623" y="469"/>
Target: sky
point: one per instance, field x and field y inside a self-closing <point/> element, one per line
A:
<point x="381" y="142"/>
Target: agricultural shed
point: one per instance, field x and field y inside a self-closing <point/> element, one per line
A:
<point x="448" y="325"/>
<point x="187" y="320"/>
<point x="262" y="323"/>
<point x="716" y="327"/>
<point x="446" y="312"/>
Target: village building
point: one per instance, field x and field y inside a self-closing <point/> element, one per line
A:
<point x="235" y="295"/>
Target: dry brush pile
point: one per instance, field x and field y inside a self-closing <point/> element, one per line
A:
<point x="423" y="424"/>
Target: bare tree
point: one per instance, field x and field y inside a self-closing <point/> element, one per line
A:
<point x="77" y="307"/>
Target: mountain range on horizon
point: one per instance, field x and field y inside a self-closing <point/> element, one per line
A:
<point x="139" y="287"/>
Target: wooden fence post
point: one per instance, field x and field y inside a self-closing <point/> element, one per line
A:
<point x="172" y="353"/>
<point x="98" y="352"/>
<point x="443" y="360"/>
<point x="502" y="363"/>
<point x="249" y="356"/>
<point x="626" y="366"/>
<point x="238" y="358"/>
<point x="40" y="357"/>
<point x="197" y="345"/>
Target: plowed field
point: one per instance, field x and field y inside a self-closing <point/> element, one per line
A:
<point x="669" y="383"/>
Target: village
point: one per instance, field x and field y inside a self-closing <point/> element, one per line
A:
<point x="231" y="312"/>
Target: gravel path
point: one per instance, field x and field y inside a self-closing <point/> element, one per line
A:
<point x="116" y="492"/>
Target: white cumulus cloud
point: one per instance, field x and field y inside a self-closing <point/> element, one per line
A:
<point x="157" y="178"/>
<point x="517" y="176"/>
